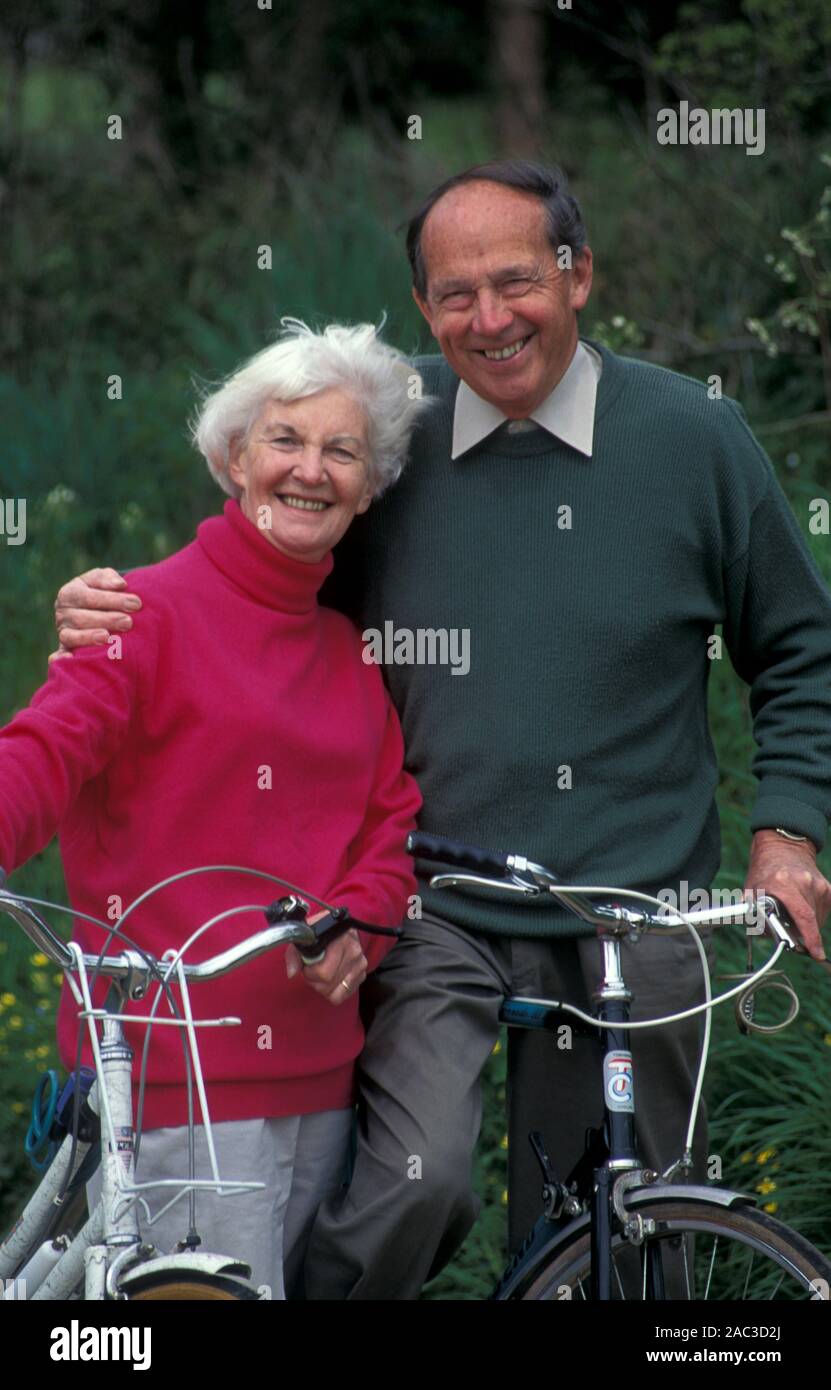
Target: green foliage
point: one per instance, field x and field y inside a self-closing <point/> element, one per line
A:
<point x="140" y="259"/>
<point x="803" y="267"/>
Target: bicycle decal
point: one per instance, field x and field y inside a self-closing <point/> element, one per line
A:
<point x="617" y="1081"/>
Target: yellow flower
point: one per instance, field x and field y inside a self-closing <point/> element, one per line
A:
<point x="57" y="979"/>
<point x="7" y="1000"/>
<point x="503" y="1143"/>
<point x="770" y="1207"/>
<point x="746" y="1157"/>
<point x="497" y="1047"/>
<point x="18" y="1107"/>
<point x="15" y="1021"/>
<point x="40" y="981"/>
<point x="42" y="1051"/>
<point x="504" y="1196"/>
<point x="765" y="1186"/>
<point x="39" y="959"/>
<point x="765" y="1155"/>
<point x="827" y="1039"/>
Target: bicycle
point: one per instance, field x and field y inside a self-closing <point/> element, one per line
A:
<point x="43" y="1257"/>
<point x="613" y="1228"/>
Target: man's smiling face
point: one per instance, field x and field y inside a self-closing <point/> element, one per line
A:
<point x="502" y="311"/>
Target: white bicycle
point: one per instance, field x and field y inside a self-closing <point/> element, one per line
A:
<point x="44" y="1257"/>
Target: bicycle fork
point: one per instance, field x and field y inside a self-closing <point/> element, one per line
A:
<point x="613" y="999"/>
<point x="120" y="1230"/>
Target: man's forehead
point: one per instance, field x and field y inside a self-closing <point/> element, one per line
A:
<point x="483" y="222"/>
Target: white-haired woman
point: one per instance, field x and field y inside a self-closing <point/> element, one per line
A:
<point x="238" y="723"/>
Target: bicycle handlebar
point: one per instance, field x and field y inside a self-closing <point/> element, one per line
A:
<point x="310" y="939"/>
<point x="515" y="874"/>
<point x="435" y="847"/>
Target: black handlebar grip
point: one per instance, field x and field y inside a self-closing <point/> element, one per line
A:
<point x="452" y="852"/>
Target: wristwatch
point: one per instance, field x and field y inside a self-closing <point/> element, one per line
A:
<point x="789" y="835"/>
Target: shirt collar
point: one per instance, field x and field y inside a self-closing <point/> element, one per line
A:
<point x="567" y="413"/>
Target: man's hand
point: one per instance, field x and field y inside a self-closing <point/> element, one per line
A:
<point x="90" y="607"/>
<point x="788" y="871"/>
<point x="339" y="974"/>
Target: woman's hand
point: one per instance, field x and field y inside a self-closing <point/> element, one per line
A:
<point x="342" y="970"/>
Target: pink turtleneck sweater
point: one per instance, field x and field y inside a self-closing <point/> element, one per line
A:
<point x="237" y="725"/>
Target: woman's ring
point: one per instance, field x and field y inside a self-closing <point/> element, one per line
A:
<point x="345" y="986"/>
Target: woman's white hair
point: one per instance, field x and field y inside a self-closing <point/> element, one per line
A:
<point x="301" y="362"/>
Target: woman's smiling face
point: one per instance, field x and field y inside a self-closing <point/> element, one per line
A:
<point x="304" y="472"/>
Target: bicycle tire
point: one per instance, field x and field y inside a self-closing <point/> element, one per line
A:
<point x="193" y="1285"/>
<point x="788" y="1267"/>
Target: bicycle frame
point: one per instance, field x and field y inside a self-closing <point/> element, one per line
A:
<point x="619" y="1149"/>
<point x="617" y="1172"/>
<point x="108" y="1252"/>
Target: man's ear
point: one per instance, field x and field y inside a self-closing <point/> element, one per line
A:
<point x="424" y="307"/>
<point x="581" y="279"/>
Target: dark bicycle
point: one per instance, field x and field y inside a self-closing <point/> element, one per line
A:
<point x="615" y="1229"/>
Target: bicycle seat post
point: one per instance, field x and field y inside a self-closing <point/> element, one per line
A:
<point x="612" y="1000"/>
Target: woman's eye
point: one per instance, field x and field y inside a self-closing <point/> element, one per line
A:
<point x="342" y="455"/>
<point x="283" y="441"/>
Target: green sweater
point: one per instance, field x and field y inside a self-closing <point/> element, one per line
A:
<point x="579" y="736"/>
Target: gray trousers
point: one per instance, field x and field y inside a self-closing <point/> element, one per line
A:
<point x="432" y="1013"/>
<point x="300" y="1158"/>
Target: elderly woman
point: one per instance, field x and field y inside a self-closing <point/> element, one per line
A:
<point x="239" y="724"/>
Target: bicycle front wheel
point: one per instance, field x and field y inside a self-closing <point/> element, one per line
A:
<point x="698" y="1251"/>
<point x="172" y="1286"/>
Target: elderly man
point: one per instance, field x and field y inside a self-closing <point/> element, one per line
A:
<point x="587" y="519"/>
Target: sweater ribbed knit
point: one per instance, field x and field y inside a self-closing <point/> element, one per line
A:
<point x="239" y="725"/>
<point x="580" y="736"/>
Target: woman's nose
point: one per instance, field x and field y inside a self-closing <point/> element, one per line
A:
<point x="310" y="465"/>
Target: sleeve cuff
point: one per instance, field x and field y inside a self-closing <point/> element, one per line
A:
<point x="773" y="811"/>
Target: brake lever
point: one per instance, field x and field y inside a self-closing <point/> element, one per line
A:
<point x="326" y="930"/>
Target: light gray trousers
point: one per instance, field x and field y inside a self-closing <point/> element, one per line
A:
<point x="432" y="1013"/>
<point x="300" y="1158"/>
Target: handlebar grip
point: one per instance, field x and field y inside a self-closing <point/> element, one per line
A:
<point x="452" y="852"/>
<point x="333" y="925"/>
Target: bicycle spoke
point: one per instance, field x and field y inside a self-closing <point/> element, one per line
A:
<point x="778" y="1286"/>
<point x="747" y="1280"/>
<point x="710" y="1270"/>
<point x="687" y="1270"/>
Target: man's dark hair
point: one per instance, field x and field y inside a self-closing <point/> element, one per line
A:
<point x="545" y="181"/>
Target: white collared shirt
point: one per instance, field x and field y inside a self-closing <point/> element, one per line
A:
<point x="568" y="412"/>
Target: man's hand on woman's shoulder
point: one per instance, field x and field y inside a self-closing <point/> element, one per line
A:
<point x="90" y="607"/>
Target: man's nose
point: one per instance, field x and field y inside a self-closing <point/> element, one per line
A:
<point x="492" y="315"/>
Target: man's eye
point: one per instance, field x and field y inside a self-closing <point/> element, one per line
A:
<point x="459" y="299"/>
<point x="517" y="286"/>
